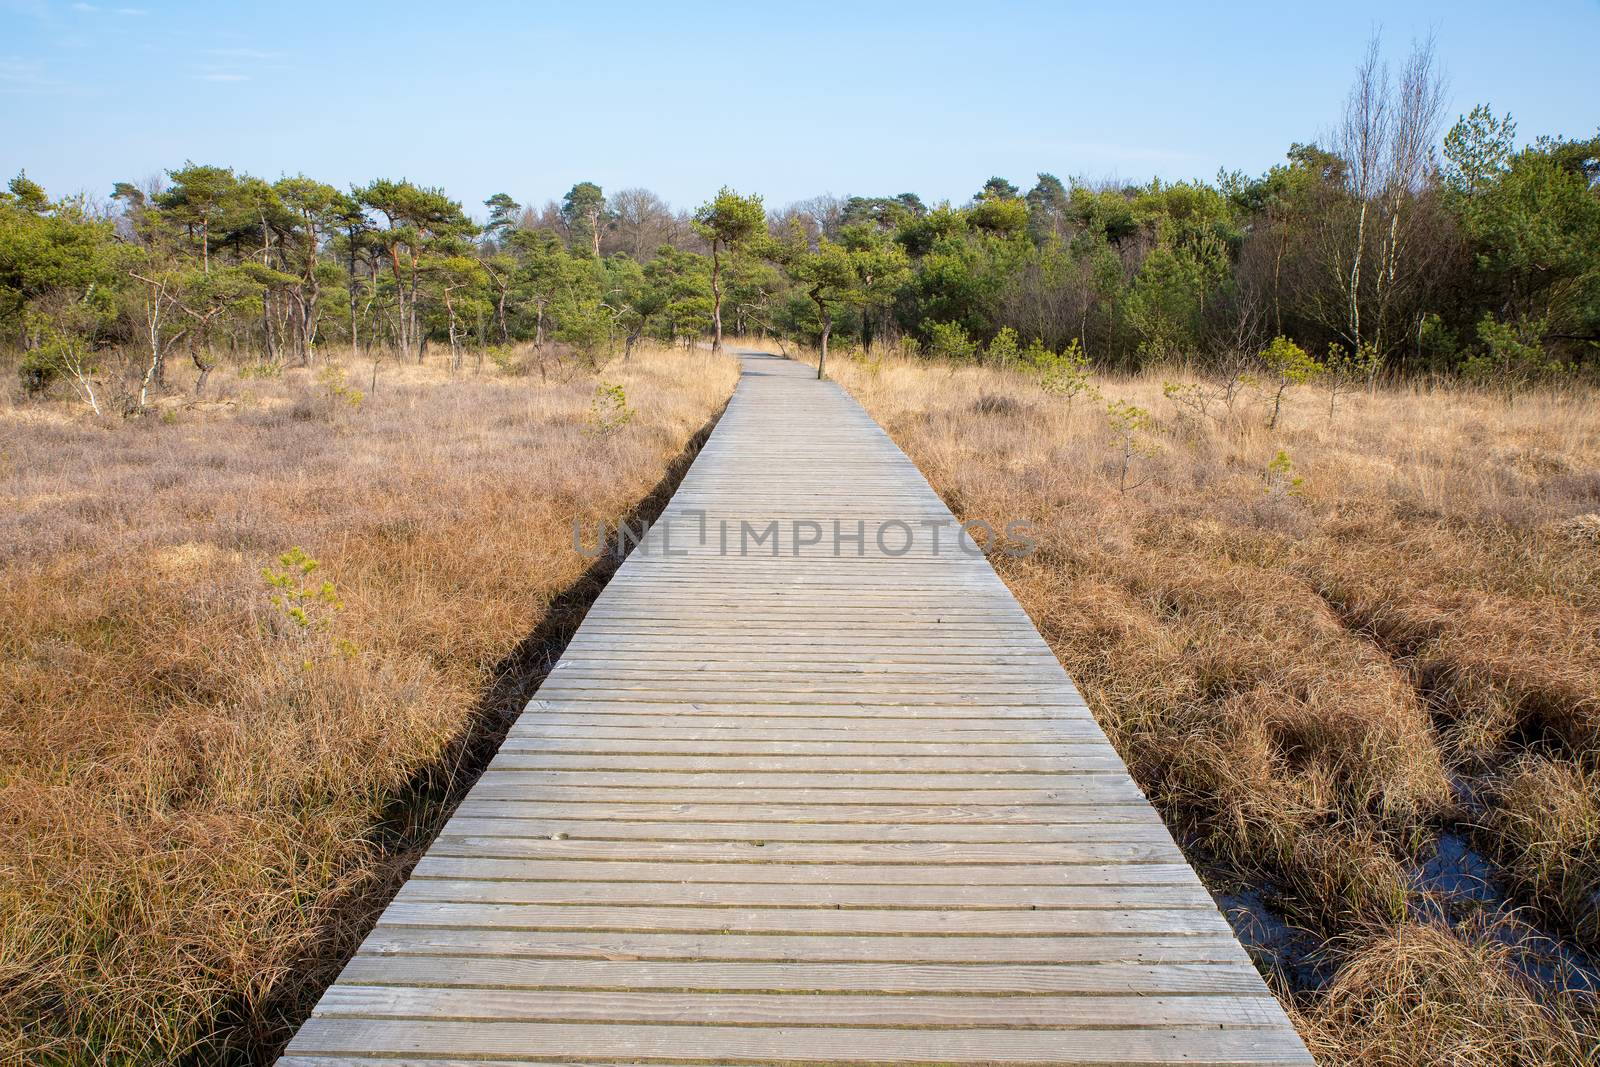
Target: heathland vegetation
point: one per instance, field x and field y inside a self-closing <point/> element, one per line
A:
<point x="251" y="650"/>
<point x="288" y="471"/>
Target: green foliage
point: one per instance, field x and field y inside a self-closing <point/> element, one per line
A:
<point x="1130" y="427"/>
<point x="1003" y="217"/>
<point x="1281" y="480"/>
<point x="220" y="261"/>
<point x="1532" y="220"/>
<point x="1512" y="356"/>
<point x="608" y="410"/>
<point x="503" y="215"/>
<point x="1286" y="364"/>
<point x="950" y="340"/>
<point x="303" y="605"/>
<point x="1167" y="299"/>
<point x="261" y="369"/>
<point x="1343" y="369"/>
<point x="58" y="353"/>
<point x="336" y="387"/>
<point x="1477" y="150"/>
<point x="729" y="220"/>
<point x="1003" y="350"/>
<point x="1343" y="365"/>
<point x="1064" y="374"/>
<point x="506" y="360"/>
<point x="583" y="208"/>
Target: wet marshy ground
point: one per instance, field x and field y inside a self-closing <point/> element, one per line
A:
<point x="1453" y="884"/>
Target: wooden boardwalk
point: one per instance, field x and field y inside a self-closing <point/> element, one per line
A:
<point x="802" y="808"/>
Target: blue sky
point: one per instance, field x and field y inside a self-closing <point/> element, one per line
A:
<point x="864" y="97"/>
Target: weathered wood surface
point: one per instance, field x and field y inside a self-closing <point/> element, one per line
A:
<point x="787" y="806"/>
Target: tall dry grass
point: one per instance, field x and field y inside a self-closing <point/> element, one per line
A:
<point x="202" y="801"/>
<point x="1314" y="680"/>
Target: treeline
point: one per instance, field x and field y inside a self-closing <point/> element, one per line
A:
<point x="1373" y="249"/>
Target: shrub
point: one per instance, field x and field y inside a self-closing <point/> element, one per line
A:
<point x="1064" y="374"/>
<point x="1344" y="370"/>
<point x="950" y="340"/>
<point x="1286" y="364"/>
<point x="1512" y="356"/>
<point x="609" y="410"/>
<point x="996" y="404"/>
<point x="1130" y="428"/>
<point x="506" y="361"/>
<point x="1281" y="479"/>
<point x="1003" y="350"/>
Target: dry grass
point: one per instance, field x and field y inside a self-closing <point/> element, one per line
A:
<point x="1423" y="994"/>
<point x="201" y="800"/>
<point x="1313" y="681"/>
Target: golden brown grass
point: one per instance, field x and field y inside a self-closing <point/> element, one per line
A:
<point x="1313" y="680"/>
<point x="1423" y="994"/>
<point x="202" y="801"/>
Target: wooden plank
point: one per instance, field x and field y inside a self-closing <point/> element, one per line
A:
<point x="760" y="851"/>
<point x="780" y="762"/>
<point x="730" y="745"/>
<point x="489" y="825"/>
<point x="862" y="922"/>
<point x="500" y="1039"/>
<point x="814" y="780"/>
<point x="603" y="945"/>
<point x="1122" y="979"/>
<point x="809" y="895"/>
<point x="1091" y="791"/>
<point x="439" y="864"/>
<point x="801" y="807"/>
<point x="991" y="817"/>
<point x="811" y="1009"/>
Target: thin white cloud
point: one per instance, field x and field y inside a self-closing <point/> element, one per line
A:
<point x="91" y="9"/>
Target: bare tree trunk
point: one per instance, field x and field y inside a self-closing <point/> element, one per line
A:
<point x="1355" y="275"/>
<point x="827" y="328"/>
<point x="355" y="334"/>
<point x="716" y="297"/>
<point x="415" y="326"/>
<point x="400" y="304"/>
<point x="455" y="348"/>
<point x="203" y="364"/>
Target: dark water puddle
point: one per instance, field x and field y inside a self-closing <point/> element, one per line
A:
<point x="1273" y="943"/>
<point x="1457" y="885"/>
<point x="1455" y="875"/>
<point x="1454" y="884"/>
